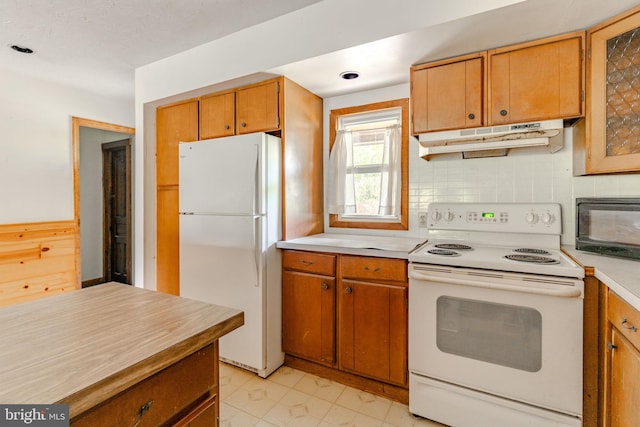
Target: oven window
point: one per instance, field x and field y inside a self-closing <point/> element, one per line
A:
<point x="501" y="334"/>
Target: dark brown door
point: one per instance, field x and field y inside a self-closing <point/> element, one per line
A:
<point x="117" y="210"/>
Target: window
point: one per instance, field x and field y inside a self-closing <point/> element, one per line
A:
<point x="367" y="173"/>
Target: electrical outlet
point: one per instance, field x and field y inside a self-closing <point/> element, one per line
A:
<point x="422" y="219"/>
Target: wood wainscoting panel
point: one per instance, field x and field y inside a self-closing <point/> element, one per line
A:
<point x="37" y="259"/>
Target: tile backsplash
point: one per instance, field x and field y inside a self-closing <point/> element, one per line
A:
<point x="525" y="175"/>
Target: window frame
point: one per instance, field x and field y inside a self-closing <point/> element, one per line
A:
<point x="375" y="224"/>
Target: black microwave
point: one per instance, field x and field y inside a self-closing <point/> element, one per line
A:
<point x="609" y="226"/>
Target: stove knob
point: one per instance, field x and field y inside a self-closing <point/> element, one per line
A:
<point x="448" y="216"/>
<point x="435" y="215"/>
<point x="531" y="218"/>
<point x="547" y="218"/>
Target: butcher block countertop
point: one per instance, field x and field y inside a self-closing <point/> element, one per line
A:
<point x="83" y="347"/>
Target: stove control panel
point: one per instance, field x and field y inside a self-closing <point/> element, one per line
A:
<point x="539" y="218"/>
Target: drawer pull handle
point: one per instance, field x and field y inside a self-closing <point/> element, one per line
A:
<point x="375" y="270"/>
<point x="626" y="325"/>
<point x="142" y="411"/>
<point x="303" y="262"/>
<point x="325" y="286"/>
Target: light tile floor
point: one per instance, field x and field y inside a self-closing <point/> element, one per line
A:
<point x="294" y="398"/>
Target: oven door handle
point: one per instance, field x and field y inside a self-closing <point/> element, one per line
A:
<point x="567" y="292"/>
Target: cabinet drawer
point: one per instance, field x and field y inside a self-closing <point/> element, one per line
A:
<point x="370" y="268"/>
<point x="172" y="392"/>
<point x="624" y="318"/>
<point x="309" y="262"/>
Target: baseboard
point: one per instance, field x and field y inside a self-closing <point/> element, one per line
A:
<point x="92" y="282"/>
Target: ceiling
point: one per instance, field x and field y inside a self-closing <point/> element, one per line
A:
<point x="97" y="44"/>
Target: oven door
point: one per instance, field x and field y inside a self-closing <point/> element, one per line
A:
<point x="517" y="336"/>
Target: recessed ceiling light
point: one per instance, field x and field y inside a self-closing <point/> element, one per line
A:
<point x="349" y="75"/>
<point x="21" y="49"/>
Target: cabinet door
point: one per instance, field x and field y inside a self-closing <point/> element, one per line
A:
<point x="184" y="387"/>
<point x="536" y="82"/>
<point x="308" y="307"/>
<point x="372" y="330"/>
<point x="174" y="123"/>
<point x="448" y="96"/>
<point x="613" y="125"/>
<point x="217" y="115"/>
<point x="257" y="108"/>
<point x="624" y="386"/>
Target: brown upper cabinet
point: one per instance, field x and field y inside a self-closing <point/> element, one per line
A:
<point x="537" y="80"/>
<point x="257" y="108"/>
<point x="254" y="108"/>
<point x="218" y="115"/>
<point x="613" y="95"/>
<point x="449" y="94"/>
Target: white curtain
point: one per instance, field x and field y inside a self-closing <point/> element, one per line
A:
<point x="341" y="191"/>
<point x="390" y="179"/>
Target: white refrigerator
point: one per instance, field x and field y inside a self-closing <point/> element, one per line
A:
<point x="230" y="221"/>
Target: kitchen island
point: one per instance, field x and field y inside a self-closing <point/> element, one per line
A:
<point x="116" y="355"/>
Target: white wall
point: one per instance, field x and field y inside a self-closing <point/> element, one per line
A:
<point x="91" y="199"/>
<point x="36" y="166"/>
<point x="525" y="175"/>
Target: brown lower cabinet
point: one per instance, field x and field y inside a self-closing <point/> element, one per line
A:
<point x="184" y="394"/>
<point x="621" y="364"/>
<point x="348" y="313"/>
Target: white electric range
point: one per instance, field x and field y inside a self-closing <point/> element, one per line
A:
<point x="495" y="318"/>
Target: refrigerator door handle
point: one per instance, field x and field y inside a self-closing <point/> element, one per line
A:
<point x="256" y="249"/>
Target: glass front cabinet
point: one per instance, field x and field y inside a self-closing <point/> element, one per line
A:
<point x="613" y="95"/>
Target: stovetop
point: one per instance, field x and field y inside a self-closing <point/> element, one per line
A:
<point x="514" y="237"/>
<point x="551" y="262"/>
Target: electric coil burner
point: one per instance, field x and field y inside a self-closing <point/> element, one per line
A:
<point x="493" y="323"/>
<point x="453" y="246"/>
<point x="443" y="252"/>
<point x="531" y="251"/>
<point x="533" y="259"/>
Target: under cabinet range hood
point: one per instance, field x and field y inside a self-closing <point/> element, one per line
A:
<point x="493" y="140"/>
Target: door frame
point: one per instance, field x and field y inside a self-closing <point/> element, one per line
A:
<point x="107" y="242"/>
<point x="76" y="124"/>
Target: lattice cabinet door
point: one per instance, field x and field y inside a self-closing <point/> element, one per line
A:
<point x="613" y="95"/>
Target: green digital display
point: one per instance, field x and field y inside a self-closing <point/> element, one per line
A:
<point x="488" y="214"/>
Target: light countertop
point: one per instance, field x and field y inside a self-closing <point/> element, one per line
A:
<point x="622" y="276"/>
<point x="85" y="346"/>
<point x="354" y="244"/>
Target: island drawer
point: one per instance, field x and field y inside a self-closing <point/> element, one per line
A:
<point x="179" y="391"/>
<point x="309" y="262"/>
<point x="624" y="318"/>
<point x="372" y="268"/>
